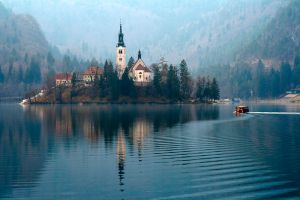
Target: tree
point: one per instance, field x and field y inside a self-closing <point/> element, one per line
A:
<point x="260" y="80"/>
<point x="50" y="59"/>
<point x="185" y="81"/>
<point x="207" y="89"/>
<point x="110" y="81"/>
<point x="215" y="91"/>
<point x="73" y="80"/>
<point x="94" y="62"/>
<point x="173" y="83"/>
<point x="20" y="75"/>
<point x="130" y="63"/>
<point x="114" y="85"/>
<point x="285" y="77"/>
<point x="67" y="64"/>
<point x="296" y="71"/>
<point x="108" y="69"/>
<point x="127" y="85"/>
<point x="33" y="72"/>
<point x="274" y="83"/>
<point x="10" y="71"/>
<point x="157" y="81"/>
<point x="200" y="86"/>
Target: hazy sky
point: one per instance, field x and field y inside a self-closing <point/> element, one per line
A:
<point x="175" y="29"/>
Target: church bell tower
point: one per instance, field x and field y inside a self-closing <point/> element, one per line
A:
<point x="121" y="54"/>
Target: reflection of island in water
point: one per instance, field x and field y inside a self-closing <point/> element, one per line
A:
<point x="28" y="134"/>
<point x="106" y="122"/>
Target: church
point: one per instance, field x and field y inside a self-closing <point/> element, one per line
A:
<point x="139" y="72"/>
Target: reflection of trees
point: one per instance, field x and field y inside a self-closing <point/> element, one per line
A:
<point x="26" y="135"/>
<point x="23" y="148"/>
<point x="105" y="122"/>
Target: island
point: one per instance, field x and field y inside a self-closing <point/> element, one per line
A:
<point x="134" y="82"/>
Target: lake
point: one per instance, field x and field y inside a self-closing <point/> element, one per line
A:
<point x="148" y="152"/>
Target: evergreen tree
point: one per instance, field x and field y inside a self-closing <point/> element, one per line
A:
<point x="157" y="81"/>
<point x="10" y="72"/>
<point x="274" y="80"/>
<point x="33" y="72"/>
<point x="114" y="85"/>
<point x="67" y="64"/>
<point x="73" y="80"/>
<point x="285" y="77"/>
<point x="296" y="71"/>
<point x="215" y="91"/>
<point x="130" y="63"/>
<point x="260" y="80"/>
<point x="108" y="70"/>
<point x="75" y="63"/>
<point x="110" y="81"/>
<point x="20" y="75"/>
<point x="127" y="85"/>
<point x="207" y="90"/>
<point x="94" y="62"/>
<point x="173" y="83"/>
<point x="50" y="59"/>
<point x="101" y="86"/>
<point x="200" y="86"/>
<point x="185" y="81"/>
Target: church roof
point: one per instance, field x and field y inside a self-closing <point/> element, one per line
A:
<point x="143" y="68"/>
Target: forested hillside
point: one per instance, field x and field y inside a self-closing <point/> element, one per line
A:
<point x="280" y="40"/>
<point x="270" y="65"/>
<point x="25" y="55"/>
<point x="203" y="32"/>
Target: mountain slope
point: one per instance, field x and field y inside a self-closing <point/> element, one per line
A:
<point x="280" y="41"/>
<point x="204" y="32"/>
<point x="23" y="53"/>
<point x="20" y="34"/>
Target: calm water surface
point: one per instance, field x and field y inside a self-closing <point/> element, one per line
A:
<point x="148" y="152"/>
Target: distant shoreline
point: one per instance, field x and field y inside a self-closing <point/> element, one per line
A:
<point x="274" y="102"/>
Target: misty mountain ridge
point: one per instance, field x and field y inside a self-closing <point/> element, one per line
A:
<point x="203" y="32"/>
<point x="23" y="49"/>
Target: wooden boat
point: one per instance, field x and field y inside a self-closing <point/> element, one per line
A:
<point x="241" y="109"/>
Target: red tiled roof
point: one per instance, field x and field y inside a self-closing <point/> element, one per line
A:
<point x="141" y="67"/>
<point x="94" y="70"/>
<point x="63" y="76"/>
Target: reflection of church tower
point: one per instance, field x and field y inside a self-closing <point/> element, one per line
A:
<point x="121" y="54"/>
<point x="121" y="154"/>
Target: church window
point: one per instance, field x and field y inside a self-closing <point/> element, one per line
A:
<point x="140" y="76"/>
<point x="120" y="51"/>
<point x="120" y="59"/>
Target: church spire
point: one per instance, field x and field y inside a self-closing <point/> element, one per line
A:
<point x="121" y="38"/>
<point x="120" y="27"/>
<point x="139" y="55"/>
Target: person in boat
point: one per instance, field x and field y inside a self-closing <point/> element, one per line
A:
<point x="241" y="109"/>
